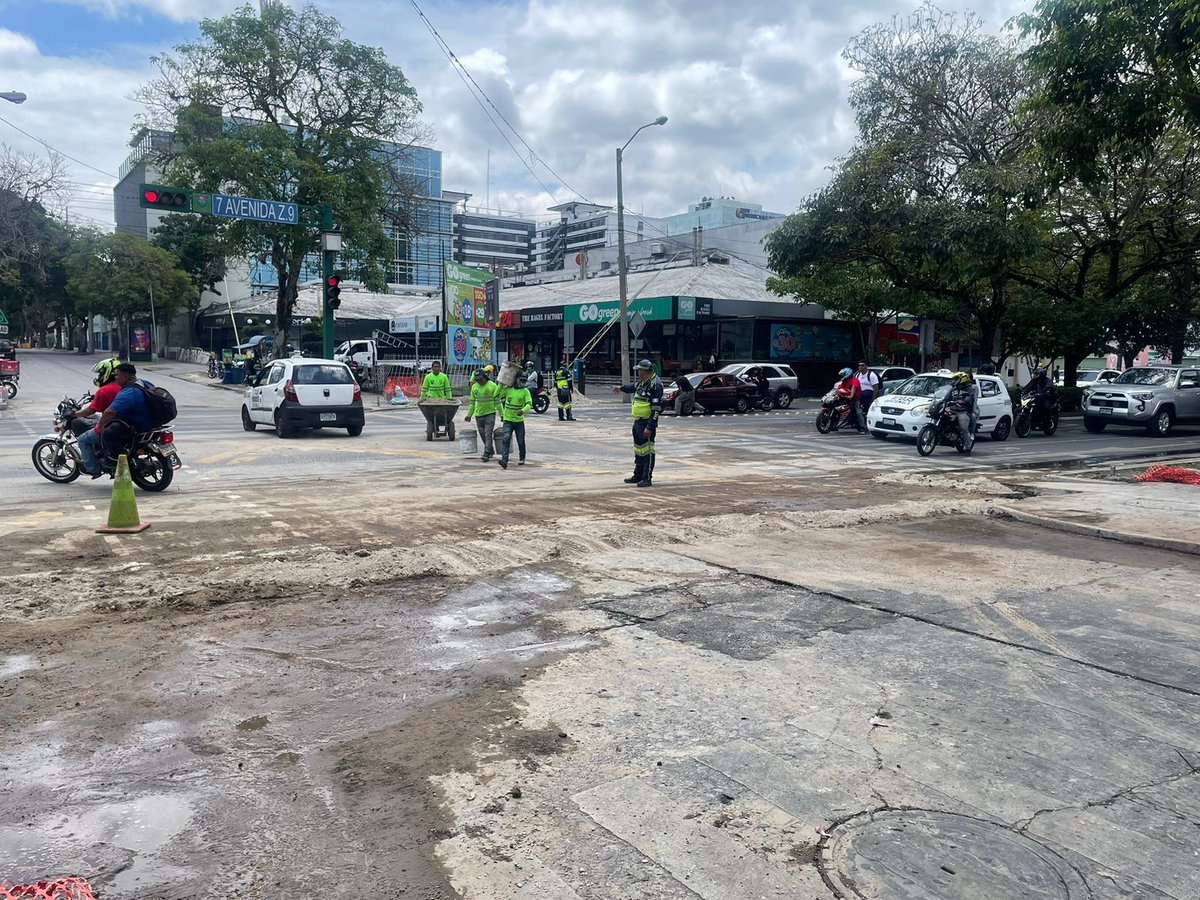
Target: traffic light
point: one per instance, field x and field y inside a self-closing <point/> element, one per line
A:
<point x="172" y="199"/>
<point x="333" y="291"/>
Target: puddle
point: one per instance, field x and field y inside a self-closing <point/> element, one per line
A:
<point x="15" y="665"/>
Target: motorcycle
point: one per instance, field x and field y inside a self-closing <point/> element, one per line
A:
<point x="152" y="462"/>
<point x="1034" y="415"/>
<point x="216" y="368"/>
<point x="837" y="412"/>
<point x="541" y="400"/>
<point x="942" y="429"/>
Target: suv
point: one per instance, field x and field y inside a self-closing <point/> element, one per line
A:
<point x="8" y="350"/>
<point x="304" y="393"/>
<point x="1155" y="397"/>
<point x="782" y="379"/>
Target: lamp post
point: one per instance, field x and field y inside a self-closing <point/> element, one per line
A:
<point x="621" y="272"/>
<point x="13" y="96"/>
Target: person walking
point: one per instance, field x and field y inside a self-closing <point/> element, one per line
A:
<point x="868" y="382"/>
<point x="566" y="389"/>
<point x="647" y="393"/>
<point x="514" y="403"/>
<point x="485" y="395"/>
<point x="685" y="398"/>
<point x="436" y="383"/>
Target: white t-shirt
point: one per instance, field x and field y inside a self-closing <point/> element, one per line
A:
<point x="868" y="380"/>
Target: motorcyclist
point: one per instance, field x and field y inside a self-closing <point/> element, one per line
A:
<point x="850" y="390"/>
<point x="533" y="378"/>
<point x="107" y="390"/>
<point x="961" y="404"/>
<point x="1041" y="389"/>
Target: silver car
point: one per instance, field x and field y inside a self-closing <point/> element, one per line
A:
<point x="1156" y="398"/>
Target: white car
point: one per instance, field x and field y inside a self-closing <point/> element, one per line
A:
<point x="291" y="394"/>
<point x="1094" y="377"/>
<point x="902" y="412"/>
<point x="781" y="378"/>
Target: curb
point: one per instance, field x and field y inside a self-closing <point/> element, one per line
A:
<point x="1108" y="534"/>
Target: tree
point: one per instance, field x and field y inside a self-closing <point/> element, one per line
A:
<point x="118" y="276"/>
<point x="199" y="244"/>
<point x="281" y="106"/>
<point x="939" y="195"/>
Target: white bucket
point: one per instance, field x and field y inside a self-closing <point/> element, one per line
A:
<point x="508" y="374"/>
<point x="468" y="442"/>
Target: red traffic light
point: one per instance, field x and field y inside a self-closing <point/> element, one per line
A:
<point x="155" y="196"/>
<point x="151" y="196"/>
<point x="332" y="291"/>
<point x="334" y="281"/>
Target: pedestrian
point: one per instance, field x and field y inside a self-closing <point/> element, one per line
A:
<point x="565" y="388"/>
<point x="712" y="360"/>
<point x="868" y="381"/>
<point x="485" y="394"/>
<point x="647" y="393"/>
<point x="685" y="397"/>
<point x="514" y="403"/>
<point x="436" y="383"/>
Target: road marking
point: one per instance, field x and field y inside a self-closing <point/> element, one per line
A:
<point x="89" y="506"/>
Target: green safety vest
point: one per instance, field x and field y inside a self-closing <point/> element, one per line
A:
<point x="436" y="386"/>
<point x="514" y="403"/>
<point x="563" y="379"/>
<point x="641" y="408"/>
<point x="484" y="398"/>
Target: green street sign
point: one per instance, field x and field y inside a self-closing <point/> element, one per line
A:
<point x="3" y="323"/>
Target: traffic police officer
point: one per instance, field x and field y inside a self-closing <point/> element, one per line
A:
<point x="562" y="381"/>
<point x="647" y="404"/>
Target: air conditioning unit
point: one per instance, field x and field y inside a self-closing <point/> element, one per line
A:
<point x="657" y="249"/>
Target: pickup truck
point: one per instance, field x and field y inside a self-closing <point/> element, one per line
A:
<point x="364" y="357"/>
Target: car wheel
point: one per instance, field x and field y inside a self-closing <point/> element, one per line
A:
<point x="429" y="432"/>
<point x="783" y="399"/>
<point x="1160" y="425"/>
<point x="1093" y="426"/>
<point x="881" y="435"/>
<point x="741" y="405"/>
<point x="687" y="408"/>
<point x="248" y="424"/>
<point x="354" y="430"/>
<point x="1002" y="429"/>
<point x="281" y="429"/>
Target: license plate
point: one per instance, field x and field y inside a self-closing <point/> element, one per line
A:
<point x="1106" y="410"/>
<point x="328" y="417"/>
<point x="172" y="456"/>
<point x="887" y="421"/>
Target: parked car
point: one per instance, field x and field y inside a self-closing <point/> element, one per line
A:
<point x="8" y="350"/>
<point x="304" y="393"/>
<point x="1154" y="397"/>
<point x="782" y="380"/>
<point x="902" y="412"/>
<point x="1084" y="379"/>
<point x="890" y="377"/>
<point x="715" y="390"/>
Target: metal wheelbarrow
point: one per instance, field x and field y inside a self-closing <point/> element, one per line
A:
<point x="439" y="417"/>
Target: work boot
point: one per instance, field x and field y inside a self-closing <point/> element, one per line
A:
<point x="561" y="416"/>
<point x="648" y="475"/>
<point x="638" y="466"/>
<point x="570" y="418"/>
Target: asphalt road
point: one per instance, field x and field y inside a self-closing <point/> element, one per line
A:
<point x="217" y="452"/>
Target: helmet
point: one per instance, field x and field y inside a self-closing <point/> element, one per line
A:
<point x="522" y="380"/>
<point x="479" y="373"/>
<point x="105" y="369"/>
<point x="1039" y="372"/>
<point x="960" y="378"/>
<point x="489" y="368"/>
<point x="645" y="364"/>
<point x="845" y="373"/>
<point x="529" y="365"/>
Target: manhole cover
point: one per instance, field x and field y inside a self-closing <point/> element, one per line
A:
<point x="922" y="853"/>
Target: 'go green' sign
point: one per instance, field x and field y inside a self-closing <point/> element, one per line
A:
<point x="653" y="309"/>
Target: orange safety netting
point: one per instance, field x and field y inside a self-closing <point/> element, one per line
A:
<point x="1175" y="474"/>
<point x="407" y="385"/>
<point x="62" y="889"/>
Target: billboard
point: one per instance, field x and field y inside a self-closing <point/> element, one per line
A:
<point x="813" y="342"/>
<point x="466" y="346"/>
<point x="471" y="298"/>
<point x="653" y="309"/>
<point x="139" y="343"/>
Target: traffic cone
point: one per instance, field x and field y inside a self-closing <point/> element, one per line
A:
<point x="122" y="511"/>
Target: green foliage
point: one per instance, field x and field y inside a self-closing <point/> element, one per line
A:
<point x="199" y="244"/>
<point x="281" y="106"/>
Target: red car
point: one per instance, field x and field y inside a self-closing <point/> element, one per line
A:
<point x="713" y="390"/>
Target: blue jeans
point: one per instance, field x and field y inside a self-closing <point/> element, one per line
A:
<point x="89" y="444"/>
<point x="511" y="428"/>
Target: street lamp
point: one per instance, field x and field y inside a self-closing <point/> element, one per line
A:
<point x="621" y="272"/>
<point x="13" y="96"/>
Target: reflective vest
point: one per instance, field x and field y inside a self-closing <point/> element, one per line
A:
<point x="484" y="398"/>
<point x="514" y="403"/>
<point x="562" y="379"/>
<point x="641" y="407"/>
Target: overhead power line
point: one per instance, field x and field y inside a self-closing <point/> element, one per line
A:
<point x="49" y="146"/>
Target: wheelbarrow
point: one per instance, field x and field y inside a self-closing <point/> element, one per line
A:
<point x="439" y="417"/>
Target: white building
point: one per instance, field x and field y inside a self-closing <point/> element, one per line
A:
<point x="582" y="227"/>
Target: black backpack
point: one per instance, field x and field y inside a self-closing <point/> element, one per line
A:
<point x="159" y="404"/>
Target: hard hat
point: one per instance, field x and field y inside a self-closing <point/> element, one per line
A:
<point x="489" y="368"/>
<point x="645" y="364"/>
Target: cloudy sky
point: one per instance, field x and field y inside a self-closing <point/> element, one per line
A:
<point x="755" y="91"/>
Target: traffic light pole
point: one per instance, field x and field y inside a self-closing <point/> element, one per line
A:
<point x="331" y="245"/>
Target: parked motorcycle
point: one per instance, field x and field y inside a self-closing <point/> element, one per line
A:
<point x="216" y="367"/>
<point x="837" y="412"/>
<point x="1034" y="415"/>
<point x="152" y="462"/>
<point x="541" y="400"/>
<point x="942" y="429"/>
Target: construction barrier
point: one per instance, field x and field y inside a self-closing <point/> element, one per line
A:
<point x="1174" y="474"/>
<point x="62" y="889"/>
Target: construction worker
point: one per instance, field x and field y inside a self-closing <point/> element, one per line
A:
<point x="436" y="383"/>
<point x="647" y="393"/>
<point x="514" y="403"/>
<point x="565" y="386"/>
<point x="485" y="394"/>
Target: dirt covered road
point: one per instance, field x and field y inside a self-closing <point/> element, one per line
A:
<point x="548" y="686"/>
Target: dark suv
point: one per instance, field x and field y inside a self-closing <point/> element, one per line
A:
<point x="8" y="350"/>
<point x="1154" y="397"/>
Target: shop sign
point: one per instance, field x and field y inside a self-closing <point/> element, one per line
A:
<point x="403" y="325"/>
<point x="653" y="309"/>
<point x="811" y="342"/>
<point x="552" y="315"/>
<point x="686" y="308"/>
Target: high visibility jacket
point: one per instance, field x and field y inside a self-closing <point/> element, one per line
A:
<point x="562" y="379"/>
<point x="436" y="385"/>
<point x="484" y="398"/>
<point x="514" y="403"/>
<point x="647" y="398"/>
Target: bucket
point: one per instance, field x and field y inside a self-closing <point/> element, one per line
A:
<point x="508" y="374"/>
<point x="468" y="443"/>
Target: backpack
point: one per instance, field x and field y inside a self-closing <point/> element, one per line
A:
<point x="160" y="405"/>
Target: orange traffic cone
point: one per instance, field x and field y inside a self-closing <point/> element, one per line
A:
<point x="122" y="510"/>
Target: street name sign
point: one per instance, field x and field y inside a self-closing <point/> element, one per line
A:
<point x="252" y="208"/>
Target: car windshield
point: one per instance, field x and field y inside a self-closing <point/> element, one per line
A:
<point x="322" y="375"/>
<point x="921" y="386"/>
<point x="694" y="378"/>
<point x="1086" y="377"/>
<point x="1146" y="376"/>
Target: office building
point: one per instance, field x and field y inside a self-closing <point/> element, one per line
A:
<point x="717" y="212"/>
<point x="487" y="239"/>
<point x="581" y="227"/>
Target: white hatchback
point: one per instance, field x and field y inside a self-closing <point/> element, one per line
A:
<point x="902" y="412"/>
<point x="291" y="394"/>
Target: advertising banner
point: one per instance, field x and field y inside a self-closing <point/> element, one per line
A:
<point x="139" y="343"/>
<point x="472" y="296"/>
<point x="653" y="309"/>
<point x="466" y="346"/>
<point x="812" y="342"/>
